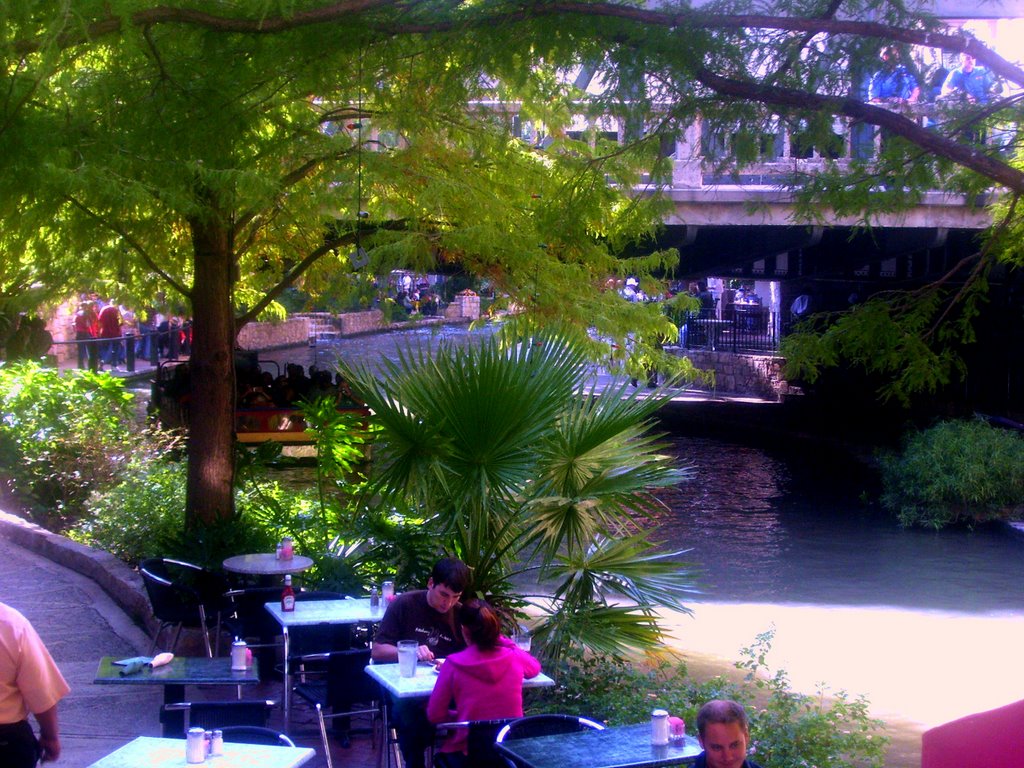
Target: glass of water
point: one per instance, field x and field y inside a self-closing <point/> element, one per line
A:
<point x="522" y="638"/>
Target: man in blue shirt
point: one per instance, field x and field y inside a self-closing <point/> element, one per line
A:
<point x="724" y="733"/>
<point x="973" y="83"/>
<point x="893" y="83"/>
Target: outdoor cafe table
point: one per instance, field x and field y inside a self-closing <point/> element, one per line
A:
<point x="182" y="671"/>
<point x="627" y="746"/>
<point x="267" y="564"/>
<point x="421" y="685"/>
<point x="312" y="613"/>
<point x="170" y="753"/>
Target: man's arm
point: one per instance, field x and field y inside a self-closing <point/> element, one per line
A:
<point x="951" y="83"/>
<point x="384" y="652"/>
<point x="49" y="735"/>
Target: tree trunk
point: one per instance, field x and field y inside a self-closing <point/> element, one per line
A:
<point x="211" y="462"/>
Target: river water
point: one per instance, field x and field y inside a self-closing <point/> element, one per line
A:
<point x="928" y="625"/>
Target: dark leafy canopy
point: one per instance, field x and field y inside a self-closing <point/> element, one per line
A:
<point x="163" y="98"/>
<point x="199" y="150"/>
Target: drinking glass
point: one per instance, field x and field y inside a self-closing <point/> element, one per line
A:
<point x="522" y="639"/>
<point x="407" y="650"/>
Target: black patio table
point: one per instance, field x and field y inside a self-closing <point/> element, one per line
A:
<point x="182" y="671"/>
<point x="627" y="746"/>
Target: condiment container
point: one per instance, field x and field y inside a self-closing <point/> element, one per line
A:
<point x="238" y="655"/>
<point x="195" y="746"/>
<point x="659" y="727"/>
<point x="676" y="730"/>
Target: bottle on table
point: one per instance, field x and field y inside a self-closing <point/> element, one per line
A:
<point x="288" y="595"/>
<point x="374" y="600"/>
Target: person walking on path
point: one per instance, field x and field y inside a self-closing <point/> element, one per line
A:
<point x="29" y="682"/>
<point x="86" y="329"/>
<point x="110" y="332"/>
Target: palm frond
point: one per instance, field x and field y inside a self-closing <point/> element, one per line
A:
<point x="623" y="568"/>
<point x="601" y="629"/>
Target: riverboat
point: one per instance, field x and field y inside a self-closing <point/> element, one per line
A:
<point x="254" y="423"/>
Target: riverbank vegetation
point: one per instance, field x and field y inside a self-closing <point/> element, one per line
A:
<point x="788" y="729"/>
<point x="530" y="481"/>
<point x="955" y="472"/>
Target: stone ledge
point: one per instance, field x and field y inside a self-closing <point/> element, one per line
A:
<point x="116" y="578"/>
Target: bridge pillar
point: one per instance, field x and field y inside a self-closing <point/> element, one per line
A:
<point x="686" y="171"/>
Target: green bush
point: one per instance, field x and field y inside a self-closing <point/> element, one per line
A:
<point x="956" y="471"/>
<point x="142" y="515"/>
<point x="788" y="729"/>
<point x="615" y="691"/>
<point x="62" y="436"/>
<point x="794" y="730"/>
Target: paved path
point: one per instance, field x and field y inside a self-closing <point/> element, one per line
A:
<point x="79" y="623"/>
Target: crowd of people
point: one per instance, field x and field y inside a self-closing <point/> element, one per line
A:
<point x="261" y="389"/>
<point x="104" y="330"/>
<point x="27" y="339"/>
<point x="894" y="82"/>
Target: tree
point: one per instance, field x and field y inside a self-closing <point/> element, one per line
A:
<point x="506" y="461"/>
<point x="228" y="154"/>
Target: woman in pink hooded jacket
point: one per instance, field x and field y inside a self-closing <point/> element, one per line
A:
<point x="484" y="681"/>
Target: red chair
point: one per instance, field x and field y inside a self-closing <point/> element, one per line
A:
<point x="993" y="738"/>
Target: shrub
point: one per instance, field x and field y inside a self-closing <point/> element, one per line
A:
<point x="794" y="730"/>
<point x="614" y="691"/>
<point x="142" y="515"/>
<point x="955" y="471"/>
<point x="62" y="436"/>
<point x="788" y="729"/>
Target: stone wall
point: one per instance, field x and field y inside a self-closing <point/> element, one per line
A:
<point x="465" y="306"/>
<point x="352" y="323"/>
<point x="270" y="335"/>
<point x="300" y="329"/>
<point x="735" y="374"/>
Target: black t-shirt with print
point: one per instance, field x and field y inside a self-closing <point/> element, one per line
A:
<point x="410" y="617"/>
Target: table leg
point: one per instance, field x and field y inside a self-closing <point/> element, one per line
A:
<point x="173" y="720"/>
<point x="287" y="681"/>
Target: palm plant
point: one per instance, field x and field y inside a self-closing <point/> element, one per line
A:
<point x="541" y="489"/>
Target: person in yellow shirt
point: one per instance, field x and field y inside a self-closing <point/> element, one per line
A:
<point x="29" y="682"/>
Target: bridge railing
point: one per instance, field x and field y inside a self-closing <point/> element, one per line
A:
<point x="740" y="328"/>
<point x="786" y="149"/>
